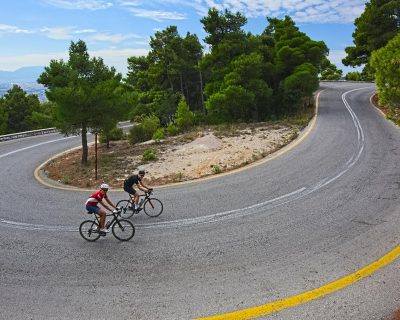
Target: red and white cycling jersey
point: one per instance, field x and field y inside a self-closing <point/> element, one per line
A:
<point x="95" y="198"/>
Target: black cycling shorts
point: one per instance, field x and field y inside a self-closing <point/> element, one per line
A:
<point x="130" y="190"/>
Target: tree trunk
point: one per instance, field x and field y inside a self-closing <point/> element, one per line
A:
<point x="84" y="144"/>
<point x="201" y="91"/>
<point x="254" y="114"/>
<point x="181" y="78"/>
<point x="187" y="92"/>
<point x="95" y="151"/>
<point x="169" y="80"/>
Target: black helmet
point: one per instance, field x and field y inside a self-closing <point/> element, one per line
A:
<point x="142" y="172"/>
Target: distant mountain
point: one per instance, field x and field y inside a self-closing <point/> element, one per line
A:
<point x="26" y="78"/>
<point x="22" y="75"/>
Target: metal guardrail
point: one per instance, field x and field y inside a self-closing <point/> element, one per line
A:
<point x="343" y="80"/>
<point x="19" y="135"/>
<point x="24" y="134"/>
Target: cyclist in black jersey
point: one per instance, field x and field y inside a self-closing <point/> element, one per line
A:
<point x="135" y="179"/>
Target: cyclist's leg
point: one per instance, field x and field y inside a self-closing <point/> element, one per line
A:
<point x="102" y="213"/>
<point x="98" y="211"/>
<point x="136" y="198"/>
<point x="129" y="190"/>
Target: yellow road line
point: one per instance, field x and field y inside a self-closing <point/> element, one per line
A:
<point x="302" y="298"/>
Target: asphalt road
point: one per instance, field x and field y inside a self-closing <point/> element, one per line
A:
<point x="321" y="211"/>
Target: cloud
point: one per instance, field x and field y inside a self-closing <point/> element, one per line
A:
<point x="69" y="33"/>
<point x="138" y="10"/>
<point x="157" y="15"/>
<point x="336" y="56"/>
<point x="83" y="31"/>
<point x="310" y="11"/>
<point x="80" y="4"/>
<point x="8" y="29"/>
<point x="114" y="38"/>
<point x="112" y="57"/>
<point x="57" y="33"/>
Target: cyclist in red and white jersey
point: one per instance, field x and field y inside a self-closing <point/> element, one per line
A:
<point x="92" y="206"/>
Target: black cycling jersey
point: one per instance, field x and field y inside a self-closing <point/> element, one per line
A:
<point x="134" y="179"/>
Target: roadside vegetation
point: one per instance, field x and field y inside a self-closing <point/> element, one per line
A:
<point x="377" y="48"/>
<point x="178" y="86"/>
<point x="376" y="26"/>
<point x="20" y="111"/>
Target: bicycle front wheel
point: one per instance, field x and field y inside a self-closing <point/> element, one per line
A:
<point x="127" y="209"/>
<point x="123" y="230"/>
<point x="89" y="230"/>
<point x="153" y="207"/>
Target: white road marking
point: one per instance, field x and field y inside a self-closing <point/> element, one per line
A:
<point x="231" y="213"/>
<point x="34" y="146"/>
<point x="47" y="142"/>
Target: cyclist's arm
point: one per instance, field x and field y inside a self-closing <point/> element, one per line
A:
<point x="110" y="203"/>
<point x="104" y="205"/>
<point x="141" y="186"/>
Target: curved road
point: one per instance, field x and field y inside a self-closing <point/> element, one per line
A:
<point x="321" y="211"/>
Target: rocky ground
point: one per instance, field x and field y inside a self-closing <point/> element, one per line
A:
<point x="199" y="153"/>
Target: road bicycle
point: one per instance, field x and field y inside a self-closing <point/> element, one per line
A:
<point x="150" y="205"/>
<point x="122" y="229"/>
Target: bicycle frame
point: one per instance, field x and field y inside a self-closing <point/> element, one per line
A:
<point x="146" y="196"/>
<point x="110" y="223"/>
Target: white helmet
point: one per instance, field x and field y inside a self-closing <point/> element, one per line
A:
<point x="104" y="186"/>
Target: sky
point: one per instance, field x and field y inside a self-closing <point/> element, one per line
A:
<point x="32" y="32"/>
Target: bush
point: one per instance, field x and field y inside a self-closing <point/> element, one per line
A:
<point x="149" y="155"/>
<point x="172" y="129"/>
<point x="159" y="134"/>
<point x="184" y="118"/>
<point x="353" y="76"/>
<point x="114" y="134"/>
<point x="199" y="118"/>
<point x="386" y="62"/>
<point x="145" y="130"/>
<point x="216" y="169"/>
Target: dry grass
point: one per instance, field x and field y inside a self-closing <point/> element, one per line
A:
<point x="122" y="159"/>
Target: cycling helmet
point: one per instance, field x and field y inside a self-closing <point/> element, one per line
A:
<point x="142" y="172"/>
<point x="104" y="186"/>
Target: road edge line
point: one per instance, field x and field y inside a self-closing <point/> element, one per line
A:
<point x="53" y="184"/>
<point x="302" y="298"/>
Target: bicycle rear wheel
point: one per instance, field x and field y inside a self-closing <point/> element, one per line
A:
<point x="127" y="209"/>
<point x="153" y="207"/>
<point x="89" y="230"/>
<point x="123" y="230"/>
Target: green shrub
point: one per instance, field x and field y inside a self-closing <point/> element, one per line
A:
<point x="354" y="76"/>
<point x="65" y="179"/>
<point x="216" y="169"/>
<point x="199" y="118"/>
<point x="179" y="176"/>
<point x="184" y="118"/>
<point x="145" y="130"/>
<point x="172" y="129"/>
<point x="159" y="134"/>
<point x="114" y="134"/>
<point x="386" y="62"/>
<point x="149" y="155"/>
<point x="137" y="134"/>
